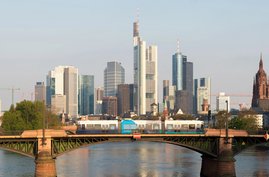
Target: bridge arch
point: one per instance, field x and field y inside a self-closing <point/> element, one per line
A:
<point x="18" y="152"/>
<point x="64" y="145"/>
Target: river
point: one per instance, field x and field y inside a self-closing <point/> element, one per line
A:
<point x="135" y="159"/>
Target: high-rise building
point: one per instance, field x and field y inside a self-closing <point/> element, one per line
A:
<point x="260" y="97"/>
<point x="86" y="94"/>
<point x="114" y="74"/>
<point x="40" y="92"/>
<point x="165" y="90"/>
<point x="123" y="98"/>
<point x="168" y="95"/>
<point x="99" y="94"/>
<point x="131" y="92"/>
<point x="58" y="104"/>
<point x="183" y="101"/>
<point x="63" y="80"/>
<point x="177" y="70"/>
<point x="0" y="109"/>
<point x="202" y="93"/>
<point x="182" y="77"/>
<point x="109" y="106"/>
<point x="223" y="102"/>
<point x="145" y="74"/>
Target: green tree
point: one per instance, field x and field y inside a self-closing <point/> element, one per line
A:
<point x="12" y="121"/>
<point x="246" y="120"/>
<point x="184" y="117"/>
<point x="28" y="115"/>
<point x="221" y="119"/>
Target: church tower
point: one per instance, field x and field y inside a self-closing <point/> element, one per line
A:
<point x="260" y="86"/>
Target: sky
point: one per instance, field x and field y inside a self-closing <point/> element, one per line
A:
<point x="223" y="39"/>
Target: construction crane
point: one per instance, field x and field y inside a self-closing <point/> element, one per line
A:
<point x="12" y="92"/>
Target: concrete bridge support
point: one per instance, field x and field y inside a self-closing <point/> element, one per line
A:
<point x="45" y="165"/>
<point x="223" y="165"/>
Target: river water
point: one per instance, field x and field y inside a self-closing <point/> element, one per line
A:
<point x="133" y="159"/>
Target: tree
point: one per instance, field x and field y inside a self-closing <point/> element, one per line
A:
<point x="221" y="119"/>
<point x="12" y="121"/>
<point x="184" y="117"/>
<point x="28" y="116"/>
<point x="246" y="120"/>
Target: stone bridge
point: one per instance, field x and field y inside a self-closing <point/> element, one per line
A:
<point x="217" y="149"/>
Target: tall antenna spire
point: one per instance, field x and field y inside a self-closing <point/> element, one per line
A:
<point x="136" y="26"/>
<point x="137" y="15"/>
<point x="178" y="46"/>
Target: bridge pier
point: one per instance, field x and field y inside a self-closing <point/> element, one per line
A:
<point x="45" y="165"/>
<point x="223" y="165"/>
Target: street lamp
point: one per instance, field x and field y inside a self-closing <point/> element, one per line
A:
<point x="43" y="126"/>
<point x="226" y="123"/>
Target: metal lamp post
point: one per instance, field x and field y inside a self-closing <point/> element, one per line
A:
<point x="226" y="123"/>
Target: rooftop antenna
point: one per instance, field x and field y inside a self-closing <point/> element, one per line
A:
<point x="177" y="45"/>
<point x="137" y="14"/>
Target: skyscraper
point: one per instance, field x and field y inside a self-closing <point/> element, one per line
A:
<point x="99" y="94"/>
<point x="182" y="77"/>
<point x="145" y="73"/>
<point x="40" y="92"/>
<point x="114" y="74"/>
<point x="0" y="109"/>
<point x="202" y="92"/>
<point x="109" y="105"/>
<point x="123" y="97"/>
<point x="86" y="94"/>
<point x="63" y="80"/>
<point x="58" y="104"/>
<point x="177" y="69"/>
<point x="168" y="95"/>
<point x="223" y="102"/>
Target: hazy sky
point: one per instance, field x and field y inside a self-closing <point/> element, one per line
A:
<point x="223" y="39"/>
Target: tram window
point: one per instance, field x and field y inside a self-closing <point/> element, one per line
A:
<point x="156" y="126"/>
<point x="148" y="126"/>
<point x="184" y="126"/>
<point x="97" y="126"/>
<point x="89" y="125"/>
<point x="169" y="126"/>
<point x="112" y="126"/>
<point x="191" y="126"/>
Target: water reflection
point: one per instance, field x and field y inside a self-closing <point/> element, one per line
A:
<point x="12" y="164"/>
<point x="253" y="163"/>
<point x="137" y="159"/>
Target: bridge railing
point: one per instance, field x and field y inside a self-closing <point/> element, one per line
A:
<point x="10" y="133"/>
<point x="142" y="131"/>
<point x="257" y="132"/>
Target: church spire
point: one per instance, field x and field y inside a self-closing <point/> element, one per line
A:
<point x="261" y="63"/>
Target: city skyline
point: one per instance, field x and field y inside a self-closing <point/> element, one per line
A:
<point x="222" y="39"/>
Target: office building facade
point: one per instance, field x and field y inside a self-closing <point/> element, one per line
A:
<point x="222" y="102"/>
<point x="63" y="80"/>
<point x="202" y="93"/>
<point x="99" y="94"/>
<point x="123" y="99"/>
<point x="114" y="74"/>
<point x="40" y="92"/>
<point x="145" y="73"/>
<point x="86" y="94"/>
<point x="109" y="106"/>
<point x="182" y="77"/>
